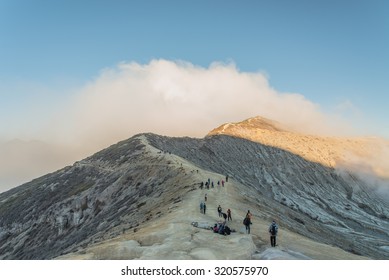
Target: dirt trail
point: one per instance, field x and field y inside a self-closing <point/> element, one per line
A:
<point x="172" y="235"/>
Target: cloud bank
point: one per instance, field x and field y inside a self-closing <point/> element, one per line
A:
<point x="178" y="98"/>
<point x="173" y="98"/>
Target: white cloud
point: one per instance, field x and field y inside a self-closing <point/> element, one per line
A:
<point x="170" y="98"/>
<point x="178" y="98"/>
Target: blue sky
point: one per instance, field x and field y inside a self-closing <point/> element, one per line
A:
<point x="335" y="53"/>
<point x="91" y="73"/>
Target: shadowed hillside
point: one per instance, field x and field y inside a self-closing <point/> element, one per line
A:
<point x="138" y="198"/>
<point x="309" y="198"/>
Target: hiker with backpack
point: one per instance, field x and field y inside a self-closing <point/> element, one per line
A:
<point x="224" y="216"/>
<point x="247" y="221"/>
<point x="273" y="229"/>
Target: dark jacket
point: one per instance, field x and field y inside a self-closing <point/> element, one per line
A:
<point x="276" y="228"/>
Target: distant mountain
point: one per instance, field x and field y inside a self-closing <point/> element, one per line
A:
<point x="137" y="199"/>
<point x="329" y="151"/>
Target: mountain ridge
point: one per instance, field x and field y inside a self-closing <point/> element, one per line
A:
<point x="137" y="199"/>
<point x="330" y="151"/>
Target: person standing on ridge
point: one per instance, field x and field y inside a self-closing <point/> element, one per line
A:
<point x="219" y="210"/>
<point x="229" y="214"/>
<point x="273" y="230"/>
<point x="247" y="221"/>
<point x="249" y="215"/>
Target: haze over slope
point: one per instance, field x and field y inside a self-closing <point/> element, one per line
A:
<point x="173" y="98"/>
<point x="137" y="199"/>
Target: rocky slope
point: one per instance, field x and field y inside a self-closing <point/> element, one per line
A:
<point x="97" y="198"/>
<point x="137" y="199"/>
<point x="363" y="154"/>
<point x="309" y="198"/>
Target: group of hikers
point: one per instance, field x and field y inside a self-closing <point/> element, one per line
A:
<point x="209" y="184"/>
<point x="273" y="228"/>
<point x="224" y="215"/>
<point x="222" y="228"/>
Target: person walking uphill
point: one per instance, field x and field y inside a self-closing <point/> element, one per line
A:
<point x="273" y="229"/>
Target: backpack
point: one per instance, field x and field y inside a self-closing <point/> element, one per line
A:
<point x="273" y="229"/>
<point x="227" y="230"/>
<point x="246" y="221"/>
